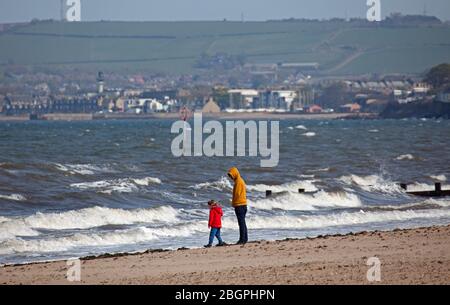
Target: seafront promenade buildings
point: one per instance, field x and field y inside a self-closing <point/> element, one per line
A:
<point x="165" y="95"/>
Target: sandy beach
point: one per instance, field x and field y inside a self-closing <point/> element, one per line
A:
<point x="415" y="256"/>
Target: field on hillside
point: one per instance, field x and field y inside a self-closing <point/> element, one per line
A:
<point x="174" y="47"/>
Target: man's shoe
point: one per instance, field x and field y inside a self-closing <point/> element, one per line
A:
<point x="207" y="246"/>
<point x="221" y="244"/>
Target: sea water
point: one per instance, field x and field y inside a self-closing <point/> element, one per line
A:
<point x="71" y="189"/>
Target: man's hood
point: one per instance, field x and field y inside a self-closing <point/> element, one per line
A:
<point x="234" y="173"/>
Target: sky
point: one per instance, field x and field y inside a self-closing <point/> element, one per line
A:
<point x="162" y="10"/>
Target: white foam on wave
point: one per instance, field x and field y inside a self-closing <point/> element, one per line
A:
<point x="309" y="134"/>
<point x="144" y="234"/>
<point x="405" y="157"/>
<point x="302" y="127"/>
<point x="14" y="197"/>
<point x="374" y="130"/>
<point x="419" y="187"/>
<point x="84" y="219"/>
<point x="84" y="169"/>
<point x="306" y="176"/>
<point x="10" y="229"/>
<point x="441" y="178"/>
<point x="113" y="238"/>
<point x="326" y="169"/>
<point x="147" y="181"/>
<point x="440" y="202"/>
<point x="372" y="183"/>
<point x="306" y="202"/>
<point x="224" y="184"/>
<point x="178" y="198"/>
<point x="126" y="185"/>
<point x="307" y="185"/>
<point x="221" y="184"/>
<point x="340" y="219"/>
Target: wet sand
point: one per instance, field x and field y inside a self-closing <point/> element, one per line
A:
<point x="416" y="256"/>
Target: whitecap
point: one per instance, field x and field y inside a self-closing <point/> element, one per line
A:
<point x="308" y="202"/>
<point x="126" y="185"/>
<point x="372" y="183"/>
<point x="221" y="184"/>
<point x="338" y="219"/>
<point x="84" y="219"/>
<point x="84" y="169"/>
<point x="14" y="197"/>
<point x="309" y="134"/>
<point x="307" y="185"/>
<point x="441" y="178"/>
<point x="113" y="238"/>
<point x="405" y="157"/>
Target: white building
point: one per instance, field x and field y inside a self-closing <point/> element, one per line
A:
<point x="242" y="97"/>
<point x="421" y="88"/>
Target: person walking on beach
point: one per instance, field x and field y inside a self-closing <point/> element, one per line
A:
<point x="239" y="203"/>
<point x="215" y="223"/>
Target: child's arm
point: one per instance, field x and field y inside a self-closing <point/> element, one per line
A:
<point x="210" y="219"/>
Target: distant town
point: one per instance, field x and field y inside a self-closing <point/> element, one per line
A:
<point x="284" y="67"/>
<point x="37" y="95"/>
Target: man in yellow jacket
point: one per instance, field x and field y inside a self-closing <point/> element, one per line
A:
<point x="239" y="202"/>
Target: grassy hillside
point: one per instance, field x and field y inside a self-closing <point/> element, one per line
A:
<point x="174" y="47"/>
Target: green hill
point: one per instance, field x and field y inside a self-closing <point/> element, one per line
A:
<point x="175" y="47"/>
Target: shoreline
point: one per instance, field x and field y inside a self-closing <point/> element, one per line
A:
<point x="176" y="116"/>
<point x="414" y="256"/>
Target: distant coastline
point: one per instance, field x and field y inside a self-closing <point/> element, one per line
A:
<point x="175" y="116"/>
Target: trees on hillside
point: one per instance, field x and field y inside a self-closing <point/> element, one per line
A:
<point x="439" y="77"/>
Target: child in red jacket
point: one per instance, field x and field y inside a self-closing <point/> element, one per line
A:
<point x="215" y="223"/>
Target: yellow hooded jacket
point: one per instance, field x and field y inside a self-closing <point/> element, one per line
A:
<point x="239" y="189"/>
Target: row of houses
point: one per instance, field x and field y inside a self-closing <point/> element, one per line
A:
<point x="7" y="107"/>
<point x="288" y="100"/>
<point x="382" y="85"/>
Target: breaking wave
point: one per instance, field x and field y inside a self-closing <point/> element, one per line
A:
<point x="14" y="197"/>
<point x="126" y="185"/>
<point x="143" y="234"/>
<point x="305" y="202"/>
<point x="418" y="187"/>
<point x="307" y="185"/>
<point x="309" y="134"/>
<point x="372" y="183"/>
<point x="222" y="184"/>
<point x="113" y="238"/>
<point x="83" y="169"/>
<point x="326" y="169"/>
<point x="405" y="157"/>
<point x="84" y="219"/>
<point x="441" y="178"/>
<point x="225" y="184"/>
<point x="340" y="219"/>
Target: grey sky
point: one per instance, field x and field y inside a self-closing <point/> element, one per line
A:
<point x="25" y="10"/>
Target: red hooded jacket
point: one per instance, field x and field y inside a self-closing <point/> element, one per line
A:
<point x="215" y="217"/>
